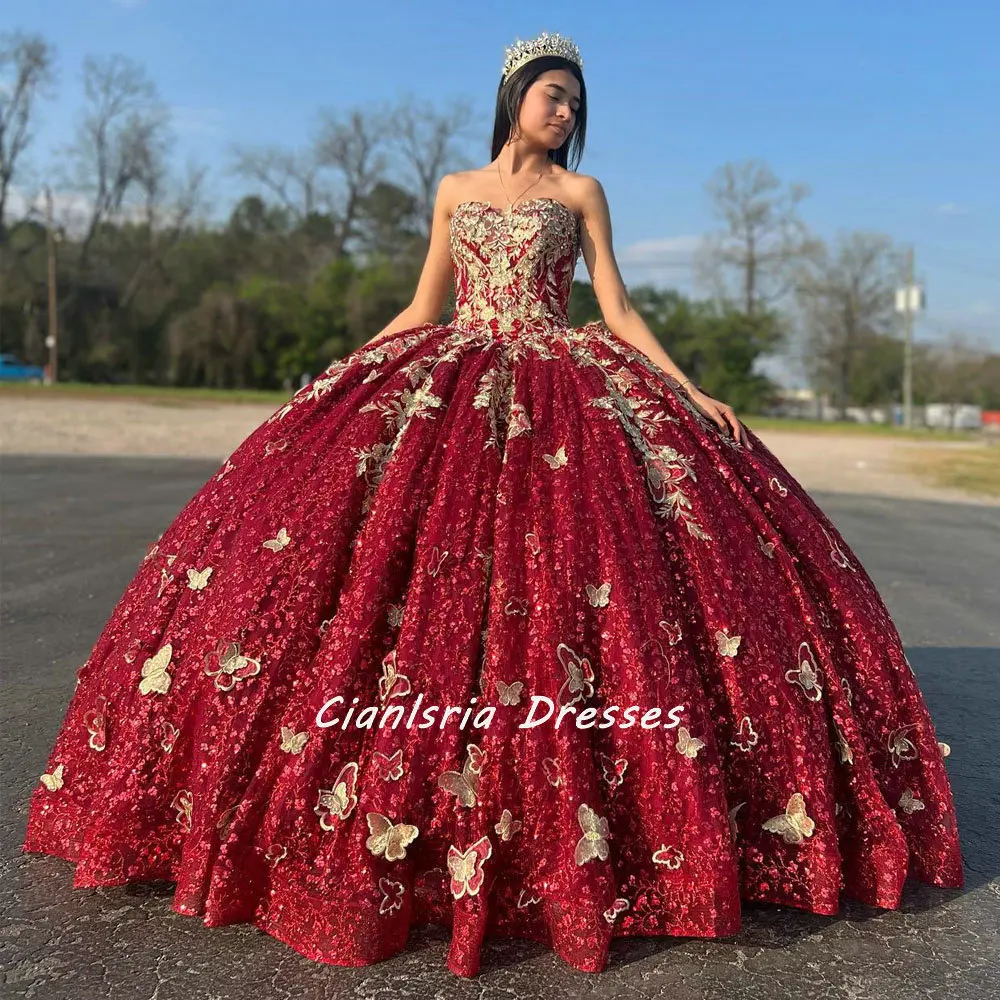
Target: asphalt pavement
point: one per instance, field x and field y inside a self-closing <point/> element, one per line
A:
<point x="72" y="530"/>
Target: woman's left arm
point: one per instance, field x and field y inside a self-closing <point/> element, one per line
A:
<point x="620" y="315"/>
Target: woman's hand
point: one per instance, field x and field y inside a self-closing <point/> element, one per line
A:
<point x="721" y="413"/>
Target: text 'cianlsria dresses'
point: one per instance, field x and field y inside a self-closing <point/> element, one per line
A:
<point x="513" y="514"/>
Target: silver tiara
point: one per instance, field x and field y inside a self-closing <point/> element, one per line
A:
<point x="520" y="52"/>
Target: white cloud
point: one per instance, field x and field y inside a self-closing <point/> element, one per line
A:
<point x="668" y="252"/>
<point x="203" y="121"/>
<point x="950" y="208"/>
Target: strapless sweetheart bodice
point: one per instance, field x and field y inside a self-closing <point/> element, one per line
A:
<point x="513" y="267"/>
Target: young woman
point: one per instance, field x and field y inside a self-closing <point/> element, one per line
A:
<point x="501" y="624"/>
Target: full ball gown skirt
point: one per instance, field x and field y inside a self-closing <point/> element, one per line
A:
<point x="511" y="520"/>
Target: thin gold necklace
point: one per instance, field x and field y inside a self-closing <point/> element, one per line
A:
<point x="510" y="204"/>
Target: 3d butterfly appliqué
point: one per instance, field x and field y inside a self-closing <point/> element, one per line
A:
<point x="727" y="644"/>
<point x="392" y="683"/>
<point x="598" y="596"/>
<point x="510" y="694"/>
<point x="293" y="742"/>
<point x="388" y="768"/>
<point x="155" y="672"/>
<point x="558" y="460"/>
<point x="687" y="744"/>
<point x="198" y="578"/>
<point x="466" y="867"/>
<point x="388" y="839"/>
<point x="579" y="683"/>
<point x="464" y="785"/>
<point x="279" y="541"/>
<point x="793" y="825"/>
<point x="53" y="781"/>
<point x="593" y="844"/>
<point x="338" y="802"/>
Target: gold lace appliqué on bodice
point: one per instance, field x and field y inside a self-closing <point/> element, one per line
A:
<point x="514" y="267"/>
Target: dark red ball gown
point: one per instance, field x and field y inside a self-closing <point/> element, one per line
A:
<point x="502" y="513"/>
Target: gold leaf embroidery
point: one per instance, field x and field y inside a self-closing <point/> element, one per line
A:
<point x="844" y="748"/>
<point x="534" y="545"/>
<point x="516" y="606"/>
<point x="618" y="906"/>
<point x="837" y="556"/>
<point x="673" y="630"/>
<point x="276" y="853"/>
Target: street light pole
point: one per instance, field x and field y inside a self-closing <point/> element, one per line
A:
<point x="53" y="338"/>
<point x="909" y="299"/>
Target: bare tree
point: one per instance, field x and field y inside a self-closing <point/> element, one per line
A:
<point x="425" y="139"/>
<point x="846" y="297"/>
<point x="763" y="240"/>
<point x="25" y="74"/>
<point x="292" y="177"/>
<point x="953" y="372"/>
<point x="121" y="143"/>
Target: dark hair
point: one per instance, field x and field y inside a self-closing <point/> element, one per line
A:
<point x="510" y="97"/>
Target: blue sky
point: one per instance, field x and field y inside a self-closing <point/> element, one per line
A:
<point x="886" y="109"/>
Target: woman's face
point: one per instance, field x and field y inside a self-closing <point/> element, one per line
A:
<point x="548" y="113"/>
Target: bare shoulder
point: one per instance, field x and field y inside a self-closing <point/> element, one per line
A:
<point x="588" y="194"/>
<point x="462" y="184"/>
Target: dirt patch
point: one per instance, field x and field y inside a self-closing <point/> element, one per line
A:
<point x="75" y="426"/>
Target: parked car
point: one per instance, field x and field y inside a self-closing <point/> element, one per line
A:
<point x="13" y="369"/>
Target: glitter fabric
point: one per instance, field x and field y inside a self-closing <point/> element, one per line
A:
<point x="500" y="513"/>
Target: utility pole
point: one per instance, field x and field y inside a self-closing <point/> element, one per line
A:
<point x="909" y="299"/>
<point x="52" y="340"/>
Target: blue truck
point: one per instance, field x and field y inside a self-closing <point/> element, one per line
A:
<point x="13" y="369"/>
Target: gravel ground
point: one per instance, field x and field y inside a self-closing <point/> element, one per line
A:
<point x="850" y="463"/>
